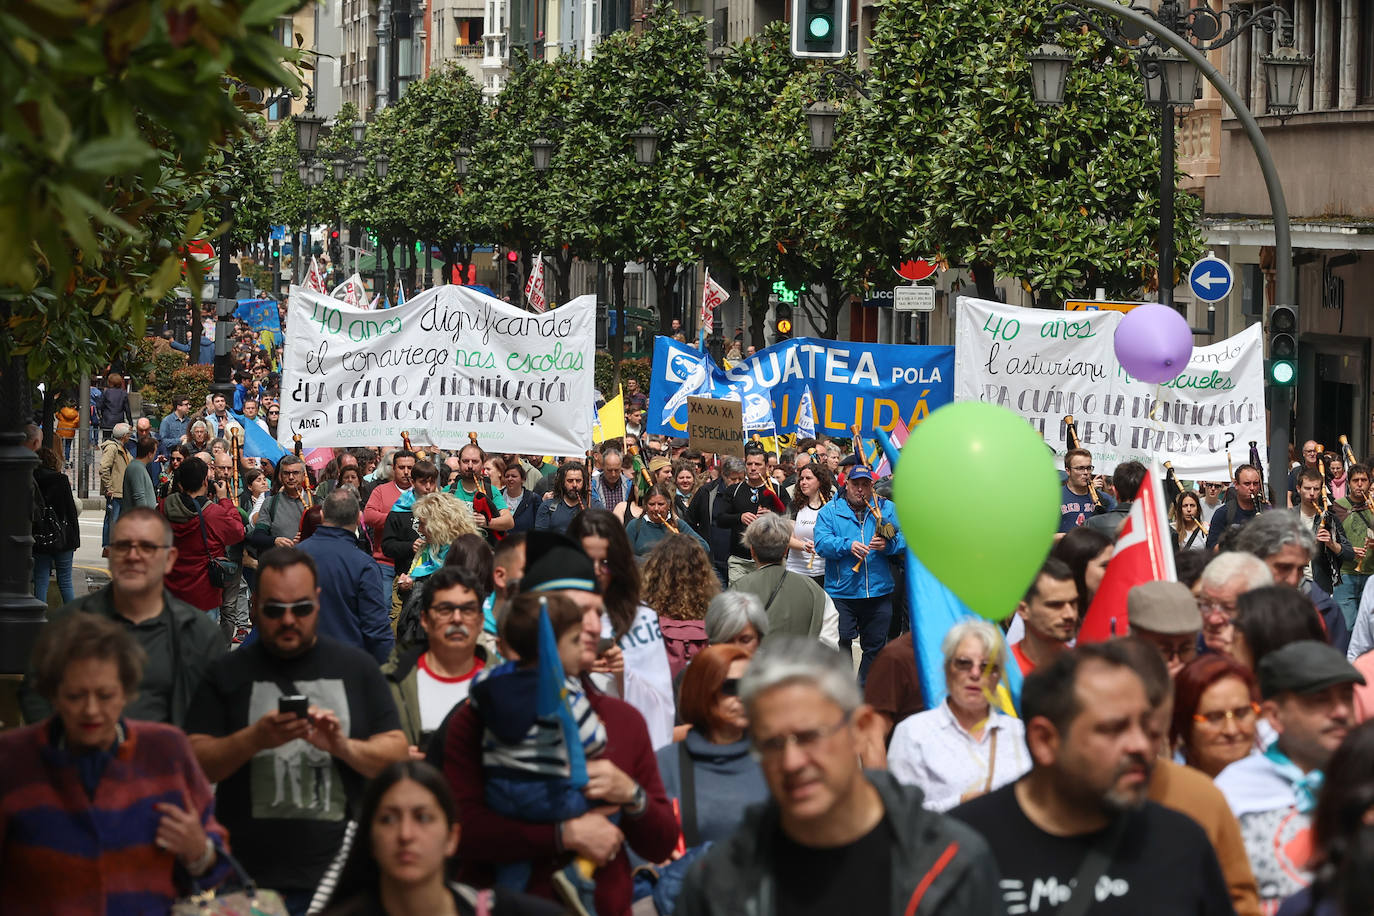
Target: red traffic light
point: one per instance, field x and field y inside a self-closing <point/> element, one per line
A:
<point x="334" y="233"/>
<point x="512" y="255"/>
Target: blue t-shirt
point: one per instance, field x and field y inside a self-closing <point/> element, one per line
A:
<point x="1075" y="510"/>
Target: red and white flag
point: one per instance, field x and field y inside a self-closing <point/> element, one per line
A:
<point x="314" y="279"/>
<point x="712" y="295"/>
<point x="534" y="286"/>
<point x="352" y="292"/>
<point x="897" y="436"/>
<point x="1144" y="553"/>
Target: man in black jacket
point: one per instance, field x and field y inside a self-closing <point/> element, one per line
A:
<point x="398" y="533"/>
<point x="833" y="837"/>
<point x="700" y="514"/>
<point x="743" y="502"/>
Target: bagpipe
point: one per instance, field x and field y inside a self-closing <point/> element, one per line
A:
<point x="1263" y="498"/>
<point x="1071" y="428"/>
<point x="482" y="503"/>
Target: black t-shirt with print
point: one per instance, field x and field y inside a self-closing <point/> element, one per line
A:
<point x="1163" y="863"/>
<point x="856" y="878"/>
<point x="287" y="808"/>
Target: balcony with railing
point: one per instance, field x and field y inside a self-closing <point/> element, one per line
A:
<point x="494" y="49"/>
<point x="1199" y="143"/>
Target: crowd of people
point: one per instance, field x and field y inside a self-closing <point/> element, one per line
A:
<point x="647" y="679"/>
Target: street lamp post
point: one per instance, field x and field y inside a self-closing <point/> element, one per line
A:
<point x="308" y="127"/>
<point x="1283" y="71"/>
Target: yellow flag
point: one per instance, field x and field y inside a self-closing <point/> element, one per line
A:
<point x="610" y="420"/>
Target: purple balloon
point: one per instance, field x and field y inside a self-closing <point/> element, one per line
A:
<point x="1153" y="343"/>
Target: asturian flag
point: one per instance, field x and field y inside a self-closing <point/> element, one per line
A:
<point x="534" y="286"/>
<point x="1143" y="554"/>
<point x="314" y="279"/>
<point x="712" y="295"/>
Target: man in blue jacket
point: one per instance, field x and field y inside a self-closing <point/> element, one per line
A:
<point x="856" y="535"/>
<point x="352" y="607"/>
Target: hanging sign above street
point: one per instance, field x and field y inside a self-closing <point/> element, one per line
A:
<point x="913" y="299"/>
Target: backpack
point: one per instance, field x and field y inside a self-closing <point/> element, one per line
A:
<point x="683" y="639"/>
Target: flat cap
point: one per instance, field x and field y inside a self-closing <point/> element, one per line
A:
<point x="1163" y="607"/>
<point x="1305" y="666"/>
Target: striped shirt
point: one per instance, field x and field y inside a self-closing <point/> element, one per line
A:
<point x="540" y="750"/>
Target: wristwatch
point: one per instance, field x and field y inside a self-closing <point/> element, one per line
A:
<point x="638" y="802"/>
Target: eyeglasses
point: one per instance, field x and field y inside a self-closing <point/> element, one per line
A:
<point x="805" y="741"/>
<point x="445" y="610"/>
<point x="1082" y="467"/>
<point x="275" y="610"/>
<point x="1209" y="606"/>
<point x="1217" y="717"/>
<point x="729" y="687"/>
<point x="602" y="565"/>
<point x="142" y="548"/>
<point x="964" y="665"/>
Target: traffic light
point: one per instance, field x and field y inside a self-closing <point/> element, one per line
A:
<point x="276" y="250"/>
<point x="1283" y="346"/>
<point x="782" y="320"/>
<point x="820" y="28"/>
<point x="513" y="275"/>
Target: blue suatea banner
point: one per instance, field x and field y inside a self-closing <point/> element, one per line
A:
<point x="791" y="385"/>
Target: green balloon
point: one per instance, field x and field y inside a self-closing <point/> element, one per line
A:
<point x="977" y="495"/>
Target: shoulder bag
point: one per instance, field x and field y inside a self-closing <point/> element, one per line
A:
<point x="49" y="533"/>
<point x="1093" y="868"/>
<point x="221" y="569"/>
<point x="247" y="900"/>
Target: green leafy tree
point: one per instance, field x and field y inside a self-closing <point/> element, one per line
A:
<point x="103" y="152"/>
<point x="953" y="157"/>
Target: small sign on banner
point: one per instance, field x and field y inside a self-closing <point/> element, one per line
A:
<point x="913" y="299"/>
<point x="714" y="425"/>
<point x="1094" y="305"/>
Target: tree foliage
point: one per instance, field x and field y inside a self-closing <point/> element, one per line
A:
<point x="955" y="159"/>
<point x="107" y="153"/>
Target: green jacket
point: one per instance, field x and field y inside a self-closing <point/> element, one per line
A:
<point x="401" y="671"/>
<point x="939" y="865"/>
<point x="1355" y="523"/>
<point x="196" y="644"/>
<point x="797" y="608"/>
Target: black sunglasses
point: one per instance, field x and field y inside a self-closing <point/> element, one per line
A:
<point x="730" y="687"/>
<point x="275" y="610"/>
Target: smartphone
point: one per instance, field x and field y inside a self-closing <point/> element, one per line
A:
<point x="605" y="645"/>
<point x="295" y="704"/>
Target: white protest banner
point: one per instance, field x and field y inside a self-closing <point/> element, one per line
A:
<point x="450" y="361"/>
<point x="1046" y="365"/>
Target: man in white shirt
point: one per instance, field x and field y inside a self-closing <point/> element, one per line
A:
<point x="1308" y="692"/>
<point x="1211" y="500"/>
<point x="426" y="684"/>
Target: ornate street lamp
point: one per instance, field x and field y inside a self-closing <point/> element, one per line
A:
<point x="303" y="172"/>
<point x="541" y="151"/>
<point x="383" y="160"/>
<point x="340" y="169"/>
<point x="359" y="166"/>
<point x="460" y="160"/>
<point x="1049" y="73"/>
<point x="359" y="131"/>
<point x="308" y="132"/>
<point x="276" y="177"/>
<point x="1284" y="71"/>
<point x="645" y="141"/>
<point x="821" y="118"/>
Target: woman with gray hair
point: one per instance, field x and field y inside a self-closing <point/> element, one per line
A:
<point x="964" y="747"/>
<point x="736" y="619"/>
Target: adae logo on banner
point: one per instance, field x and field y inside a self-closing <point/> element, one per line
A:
<point x="848" y="383"/>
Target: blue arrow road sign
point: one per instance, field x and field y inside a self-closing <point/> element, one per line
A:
<point x="1211" y="279"/>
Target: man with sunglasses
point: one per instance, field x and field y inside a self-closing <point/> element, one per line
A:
<point x="833" y="838"/>
<point x="181" y="642"/>
<point x="287" y="781"/>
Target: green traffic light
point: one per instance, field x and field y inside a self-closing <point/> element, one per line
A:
<point x="819" y="28"/>
<point x="1282" y="372"/>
